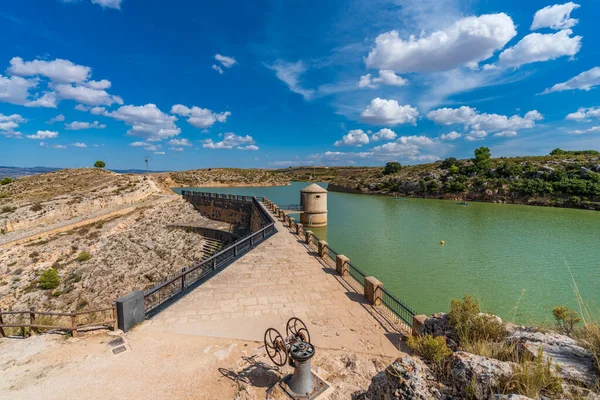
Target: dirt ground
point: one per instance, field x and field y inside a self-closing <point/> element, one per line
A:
<point x="160" y="366"/>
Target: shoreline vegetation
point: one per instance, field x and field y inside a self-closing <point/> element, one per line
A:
<point x="568" y="179"/>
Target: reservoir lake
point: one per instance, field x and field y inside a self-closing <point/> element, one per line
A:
<point x="502" y="254"/>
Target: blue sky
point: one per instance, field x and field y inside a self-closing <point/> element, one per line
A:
<point x="272" y="84"/>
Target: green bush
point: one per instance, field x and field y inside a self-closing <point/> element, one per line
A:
<point x="84" y="256"/>
<point x="6" y="181"/>
<point x="36" y="207"/>
<point x="49" y="279"/>
<point x="471" y="325"/>
<point x="449" y="163"/>
<point x="392" y="168"/>
<point x="99" y="164"/>
<point x="432" y="349"/>
<point x="566" y="319"/>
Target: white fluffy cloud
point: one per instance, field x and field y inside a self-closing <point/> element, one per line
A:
<point x="584" y="81"/>
<point x="8" y="124"/>
<point x="86" y="95"/>
<point x="179" y="142"/>
<point x="593" y="129"/>
<point x="116" y="4"/>
<point x="356" y="137"/>
<point x="451" y="136"/>
<point x="199" y="117"/>
<point x="405" y="146"/>
<point x="79" y="144"/>
<point x="384" y="134"/>
<point x="471" y="118"/>
<point x="231" y="141"/>
<point x="389" y="112"/>
<point x="146" y="121"/>
<point x="468" y="41"/>
<point x="146" y="145"/>
<point x="57" y="70"/>
<point x="41" y="135"/>
<point x="290" y="73"/>
<point x="537" y="47"/>
<point x="58" y="118"/>
<point x="385" y="77"/>
<point x="68" y="81"/>
<point x="77" y="125"/>
<point x="476" y="135"/>
<point x="217" y="68"/>
<point x="16" y="90"/>
<point x="108" y="3"/>
<point x="584" y="114"/>
<point x="557" y="17"/>
<point x="227" y="62"/>
<point x="505" y="134"/>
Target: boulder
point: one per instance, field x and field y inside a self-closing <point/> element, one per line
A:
<point x="596" y="168"/>
<point x="405" y="378"/>
<point x="584" y="171"/>
<point x="511" y="397"/>
<point x="547" y="169"/>
<point x="576" y="363"/>
<point x="438" y="325"/>
<point x="476" y="376"/>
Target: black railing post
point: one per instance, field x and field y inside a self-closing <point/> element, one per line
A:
<point x="183" y="279"/>
<point x="235" y="251"/>
<point x="214" y="266"/>
<point x="252" y="241"/>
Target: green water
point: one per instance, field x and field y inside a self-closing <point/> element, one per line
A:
<point x="493" y="251"/>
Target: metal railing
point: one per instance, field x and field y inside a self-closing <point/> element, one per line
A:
<point x="357" y="274"/>
<point x="292" y="207"/>
<point x="397" y="307"/>
<point x="180" y="282"/>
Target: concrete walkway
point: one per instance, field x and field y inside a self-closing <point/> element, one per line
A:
<point x="279" y="279"/>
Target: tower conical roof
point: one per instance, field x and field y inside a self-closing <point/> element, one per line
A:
<point x="313" y="188"/>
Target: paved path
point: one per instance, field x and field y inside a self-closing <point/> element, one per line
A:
<point x="280" y="279"/>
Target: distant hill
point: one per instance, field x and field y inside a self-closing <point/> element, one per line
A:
<point x="17" y="172"/>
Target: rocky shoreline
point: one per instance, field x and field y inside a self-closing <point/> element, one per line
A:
<point x="545" y="365"/>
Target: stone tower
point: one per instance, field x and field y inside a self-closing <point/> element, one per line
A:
<point x="313" y="200"/>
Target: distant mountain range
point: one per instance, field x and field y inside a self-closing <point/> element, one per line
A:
<point x="17" y="172"/>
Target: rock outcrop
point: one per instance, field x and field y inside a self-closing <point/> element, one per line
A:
<point x="406" y="378"/>
<point x="575" y="364"/>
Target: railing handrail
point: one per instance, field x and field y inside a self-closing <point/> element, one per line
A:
<point x="56" y="314"/>
<point x="354" y="271"/>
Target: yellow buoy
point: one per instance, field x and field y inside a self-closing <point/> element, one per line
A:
<point x="442" y="242"/>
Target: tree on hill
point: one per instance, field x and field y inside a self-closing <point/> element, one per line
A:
<point x="557" y="152"/>
<point x="482" y="160"/>
<point x="392" y="168"/>
<point x="99" y="164"/>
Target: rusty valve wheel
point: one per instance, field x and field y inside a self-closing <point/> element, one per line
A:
<point x="296" y="328"/>
<point x="275" y="346"/>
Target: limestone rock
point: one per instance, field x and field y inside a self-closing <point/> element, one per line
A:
<point x="511" y="397"/>
<point x="405" y="378"/>
<point x="576" y="363"/>
<point x="438" y="325"/>
<point x="477" y="376"/>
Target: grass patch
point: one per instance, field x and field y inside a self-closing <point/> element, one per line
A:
<point x="432" y="349"/>
<point x="84" y="256"/>
<point x="534" y="378"/>
<point x="566" y="319"/>
<point x="37" y="207"/>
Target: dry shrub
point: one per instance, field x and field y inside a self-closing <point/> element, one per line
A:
<point x="432" y="349"/>
<point x="534" y="378"/>
<point x="471" y="325"/>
